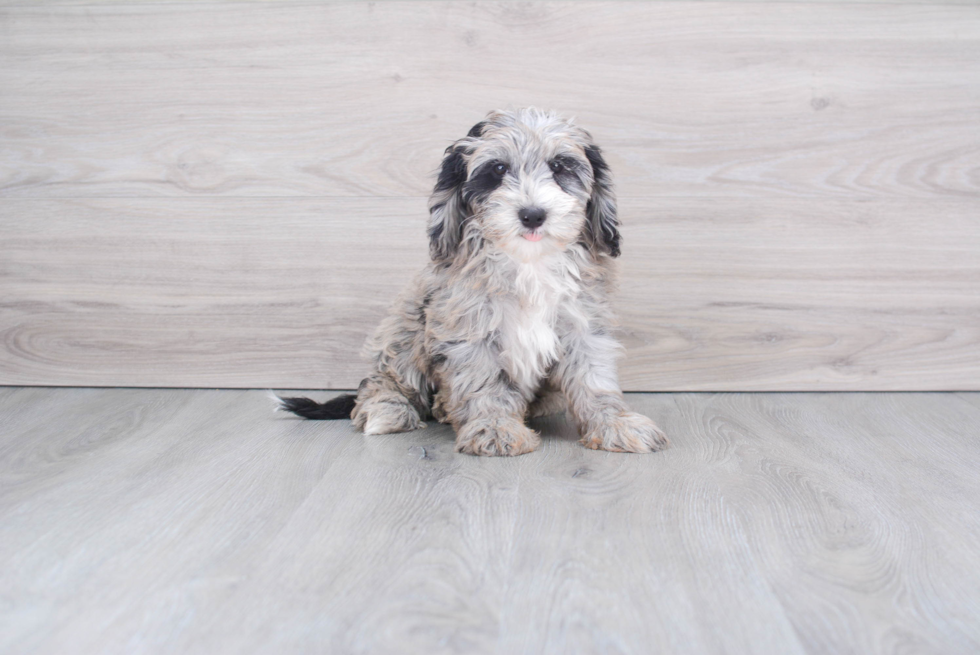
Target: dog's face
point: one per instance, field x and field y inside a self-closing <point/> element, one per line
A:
<point x="528" y="182"/>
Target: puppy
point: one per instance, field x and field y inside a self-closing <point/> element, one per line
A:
<point x="511" y="318"/>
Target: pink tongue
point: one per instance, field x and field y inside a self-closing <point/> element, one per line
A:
<point x="533" y="236"/>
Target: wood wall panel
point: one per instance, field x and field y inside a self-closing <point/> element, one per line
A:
<point x="339" y="99"/>
<point x="281" y="292"/>
<point x="229" y="194"/>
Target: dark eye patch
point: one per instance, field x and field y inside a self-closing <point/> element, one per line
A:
<point x="484" y="181"/>
<point x="567" y="172"/>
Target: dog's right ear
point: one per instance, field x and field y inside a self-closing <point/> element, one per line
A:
<point x="447" y="211"/>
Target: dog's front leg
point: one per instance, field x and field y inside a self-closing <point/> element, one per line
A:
<point x="587" y="375"/>
<point x="485" y="408"/>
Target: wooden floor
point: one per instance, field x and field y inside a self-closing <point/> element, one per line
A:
<point x="201" y="522"/>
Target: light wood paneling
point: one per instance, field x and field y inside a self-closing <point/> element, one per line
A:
<point x="199" y="522"/>
<point x="689" y="99"/>
<point x="266" y="292"/>
<point x="219" y="292"/>
<point x="229" y="194"/>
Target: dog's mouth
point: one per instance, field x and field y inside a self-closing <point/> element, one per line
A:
<point x="533" y="236"/>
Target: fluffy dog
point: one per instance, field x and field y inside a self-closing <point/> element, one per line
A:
<point x="511" y="317"/>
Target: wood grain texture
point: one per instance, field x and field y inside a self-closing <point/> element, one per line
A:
<point x="95" y="3"/>
<point x="229" y="194"/>
<point x="199" y="522"/>
<point x="265" y="292"/>
<point x="233" y="293"/>
<point x="689" y="99"/>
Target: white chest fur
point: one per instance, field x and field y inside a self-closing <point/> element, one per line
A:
<point x="528" y="338"/>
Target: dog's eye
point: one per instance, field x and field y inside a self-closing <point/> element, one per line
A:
<point x="556" y="166"/>
<point x="500" y="169"/>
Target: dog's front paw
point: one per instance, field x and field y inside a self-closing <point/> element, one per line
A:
<point x="628" y="432"/>
<point x="499" y="436"/>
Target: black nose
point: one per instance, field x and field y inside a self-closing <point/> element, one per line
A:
<point x="531" y="217"/>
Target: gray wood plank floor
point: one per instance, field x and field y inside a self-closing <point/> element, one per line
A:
<point x="199" y="521"/>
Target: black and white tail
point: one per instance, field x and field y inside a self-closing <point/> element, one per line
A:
<point x="335" y="408"/>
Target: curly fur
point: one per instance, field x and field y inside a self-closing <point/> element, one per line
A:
<point x="510" y="318"/>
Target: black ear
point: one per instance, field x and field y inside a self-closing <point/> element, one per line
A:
<point x="601" y="226"/>
<point x="447" y="211"/>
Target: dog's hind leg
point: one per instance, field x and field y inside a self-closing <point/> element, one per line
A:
<point x="547" y="401"/>
<point x="382" y="407"/>
<point x="397" y="396"/>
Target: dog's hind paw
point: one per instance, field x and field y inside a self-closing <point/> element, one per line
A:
<point x="384" y="417"/>
<point x="628" y="432"/>
<point x="499" y="436"/>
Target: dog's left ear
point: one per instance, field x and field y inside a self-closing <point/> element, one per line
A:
<point x="447" y="210"/>
<point x="601" y="226"/>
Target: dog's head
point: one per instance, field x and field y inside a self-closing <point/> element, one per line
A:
<point x="528" y="182"/>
